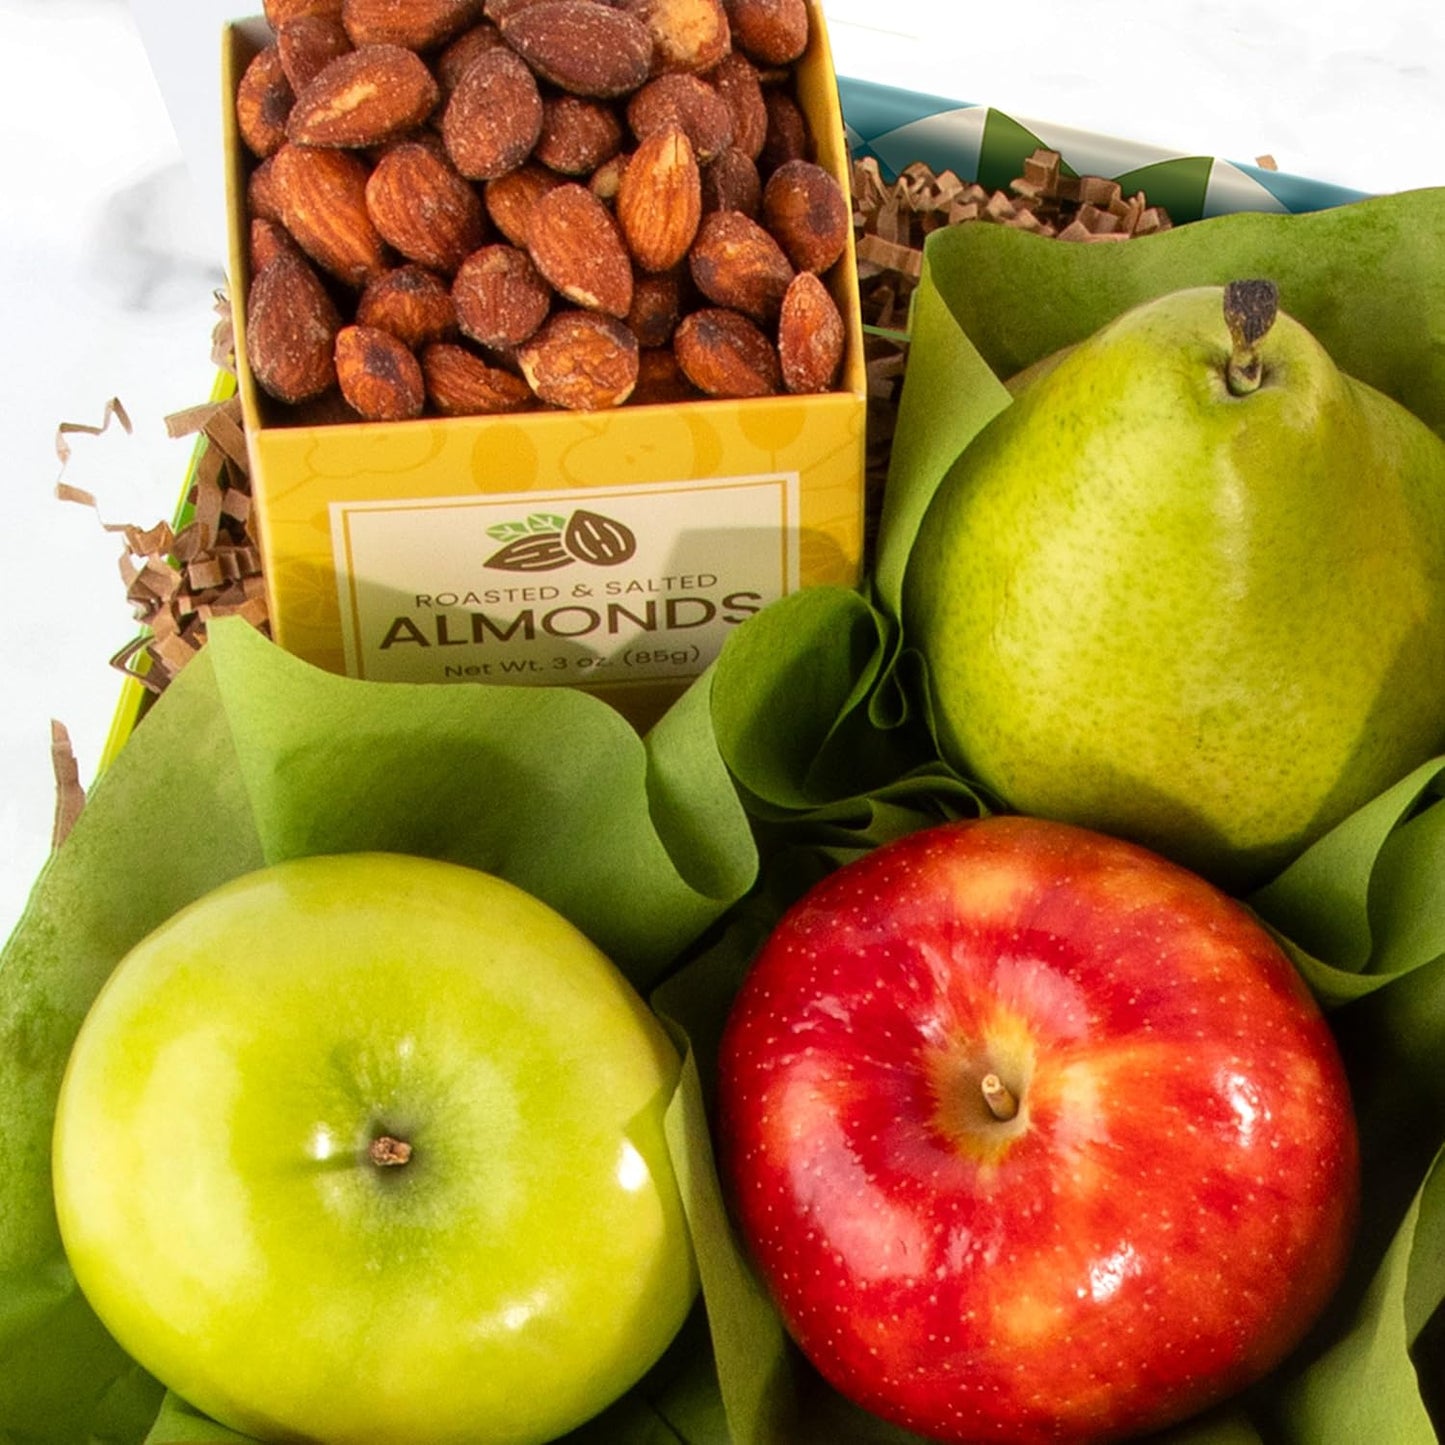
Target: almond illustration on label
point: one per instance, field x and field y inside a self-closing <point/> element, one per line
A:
<point x="544" y="542"/>
<point x="603" y="541"/>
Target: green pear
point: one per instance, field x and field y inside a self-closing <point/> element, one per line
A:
<point x="1189" y="587"/>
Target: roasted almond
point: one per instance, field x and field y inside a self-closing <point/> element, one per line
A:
<point x="581" y="360"/>
<point x="690" y="35"/>
<point x="365" y="97"/>
<point x="656" y="308"/>
<point x="424" y="208"/>
<point x="606" y="180"/>
<point x="379" y="375"/>
<point x="261" y="202"/>
<point x="279" y="12"/>
<point x="497" y="10"/>
<point x="291" y="328"/>
<point x="687" y="101"/>
<point x="425" y="136"/>
<point x="510" y="198"/>
<point x="321" y="196"/>
<point x="730" y="182"/>
<point x="267" y="240"/>
<point x="576" y="244"/>
<point x="456" y="59"/>
<point x="660" y="379"/>
<point x="500" y="296"/>
<point x="308" y="44"/>
<point x="494" y="116"/>
<point x="810" y="336"/>
<point x="417" y="24"/>
<point x="461" y="383"/>
<point x="788" y="136"/>
<point x="736" y="80"/>
<point x="808" y="214"/>
<point x="328" y="409"/>
<point x="412" y="303"/>
<point x="659" y="199"/>
<point x="264" y="99"/>
<point x="581" y="46"/>
<point x="578" y="134"/>
<point x="772" y="32"/>
<point x="723" y="353"/>
<point x="737" y="264"/>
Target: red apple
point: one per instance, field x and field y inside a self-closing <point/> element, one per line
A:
<point x="1035" y="1136"/>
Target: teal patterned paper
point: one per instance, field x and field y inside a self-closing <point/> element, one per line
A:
<point x="978" y="143"/>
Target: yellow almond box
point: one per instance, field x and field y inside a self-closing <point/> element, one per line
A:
<point x="610" y="550"/>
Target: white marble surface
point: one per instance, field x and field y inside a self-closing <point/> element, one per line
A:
<point x="111" y="221"/>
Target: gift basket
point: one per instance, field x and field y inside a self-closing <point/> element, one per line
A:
<point x="781" y="721"/>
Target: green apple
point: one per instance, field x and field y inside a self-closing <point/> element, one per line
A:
<point x="370" y="1148"/>
<point x="1189" y="587"/>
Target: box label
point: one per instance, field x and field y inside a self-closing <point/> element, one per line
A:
<point x="585" y="586"/>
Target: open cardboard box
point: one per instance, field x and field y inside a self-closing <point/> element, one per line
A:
<point x="380" y="539"/>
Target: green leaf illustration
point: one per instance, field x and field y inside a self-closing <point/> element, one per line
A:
<point x="510" y="531"/>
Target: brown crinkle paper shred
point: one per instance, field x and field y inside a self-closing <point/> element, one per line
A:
<point x="177" y="581"/>
<point x="69" y="791"/>
<point x="891" y="221"/>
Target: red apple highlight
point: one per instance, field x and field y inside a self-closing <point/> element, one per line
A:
<point x="1035" y="1136"/>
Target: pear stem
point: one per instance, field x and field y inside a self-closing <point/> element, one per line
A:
<point x="999" y="1098"/>
<point x="386" y="1152"/>
<point x="1250" y="309"/>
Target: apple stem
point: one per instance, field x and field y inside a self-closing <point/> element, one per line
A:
<point x="1250" y="308"/>
<point x="386" y="1152"/>
<point x="999" y="1097"/>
